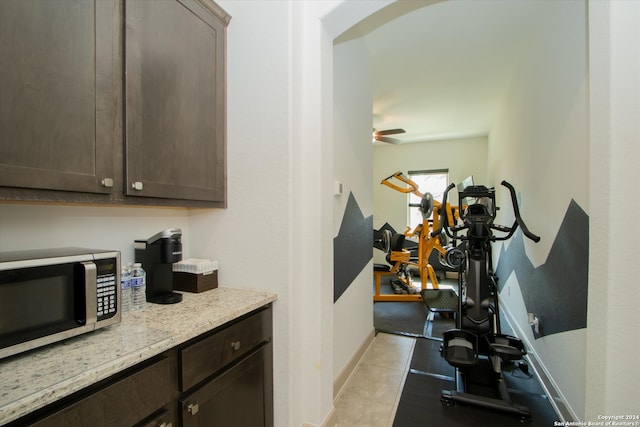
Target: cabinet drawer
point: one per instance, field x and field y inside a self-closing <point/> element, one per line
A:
<point x="205" y="357"/>
<point x="124" y="402"/>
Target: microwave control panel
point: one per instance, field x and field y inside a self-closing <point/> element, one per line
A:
<point x="107" y="288"/>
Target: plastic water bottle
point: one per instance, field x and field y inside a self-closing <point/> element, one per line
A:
<point x="139" y="286"/>
<point x="126" y="295"/>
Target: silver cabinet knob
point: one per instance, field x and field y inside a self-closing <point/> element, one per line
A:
<point x="137" y="186"/>
<point x="235" y="345"/>
<point x="193" y="408"/>
<point x="107" y="182"/>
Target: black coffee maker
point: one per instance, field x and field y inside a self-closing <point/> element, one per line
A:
<point x="157" y="255"/>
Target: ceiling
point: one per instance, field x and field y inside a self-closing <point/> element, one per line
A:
<point x="441" y="68"/>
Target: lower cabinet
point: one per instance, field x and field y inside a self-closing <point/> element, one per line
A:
<point x="238" y="397"/>
<point x="221" y="378"/>
<point x="227" y="376"/>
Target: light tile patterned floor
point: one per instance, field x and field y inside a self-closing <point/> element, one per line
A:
<point x="370" y="396"/>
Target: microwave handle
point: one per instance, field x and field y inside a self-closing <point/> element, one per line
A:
<point x="90" y="289"/>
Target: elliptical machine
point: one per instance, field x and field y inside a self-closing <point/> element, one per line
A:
<point x="477" y="338"/>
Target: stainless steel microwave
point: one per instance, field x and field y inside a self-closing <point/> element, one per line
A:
<point x="49" y="295"/>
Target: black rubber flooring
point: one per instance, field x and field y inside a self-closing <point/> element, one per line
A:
<point x="408" y="318"/>
<point x="403" y="318"/>
<point x="429" y="374"/>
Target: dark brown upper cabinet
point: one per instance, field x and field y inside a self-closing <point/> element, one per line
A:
<point x="174" y="100"/>
<point x="57" y="105"/>
<point x="113" y="101"/>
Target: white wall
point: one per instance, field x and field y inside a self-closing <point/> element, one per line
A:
<point x="540" y="143"/>
<point x="613" y="338"/>
<point x="540" y="140"/>
<point x="462" y="157"/>
<point x="352" y="166"/>
<point x="36" y="226"/>
<point x="253" y="238"/>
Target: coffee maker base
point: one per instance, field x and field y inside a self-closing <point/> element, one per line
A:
<point x="166" y="298"/>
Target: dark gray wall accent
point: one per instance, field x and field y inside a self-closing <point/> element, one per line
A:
<point x="352" y="248"/>
<point x="556" y="291"/>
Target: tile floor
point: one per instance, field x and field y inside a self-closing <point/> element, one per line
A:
<point x="371" y="394"/>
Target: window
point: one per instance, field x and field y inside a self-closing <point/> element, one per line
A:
<point x="428" y="181"/>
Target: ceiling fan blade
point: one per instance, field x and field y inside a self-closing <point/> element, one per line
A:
<point x="390" y="131"/>
<point x="387" y="140"/>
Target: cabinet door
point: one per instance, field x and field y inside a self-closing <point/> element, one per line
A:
<point x="57" y="106"/>
<point x="175" y="100"/>
<point x="241" y="396"/>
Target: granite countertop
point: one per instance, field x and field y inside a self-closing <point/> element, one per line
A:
<point x="37" y="378"/>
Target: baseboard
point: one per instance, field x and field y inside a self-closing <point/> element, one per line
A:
<point x="551" y="389"/>
<point x="341" y="379"/>
<point x="331" y="420"/>
<point x="564" y="412"/>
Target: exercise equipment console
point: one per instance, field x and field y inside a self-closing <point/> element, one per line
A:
<point x="477" y="341"/>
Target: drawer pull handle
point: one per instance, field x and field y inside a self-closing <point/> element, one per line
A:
<point x="235" y="345"/>
<point x="193" y="408"/>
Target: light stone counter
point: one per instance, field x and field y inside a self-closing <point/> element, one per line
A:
<point x="37" y="378"/>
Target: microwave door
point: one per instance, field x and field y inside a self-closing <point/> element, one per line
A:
<point x="39" y="305"/>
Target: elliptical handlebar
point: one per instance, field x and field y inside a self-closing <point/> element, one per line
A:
<point x="516" y="212"/>
<point x="443" y="214"/>
<point x="444" y="220"/>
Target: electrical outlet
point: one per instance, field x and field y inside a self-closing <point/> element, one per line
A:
<point x="535" y="323"/>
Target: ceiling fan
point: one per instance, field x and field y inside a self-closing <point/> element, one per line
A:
<point x="381" y="135"/>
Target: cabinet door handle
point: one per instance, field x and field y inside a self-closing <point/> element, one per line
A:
<point x="107" y="182"/>
<point x="137" y="186"/>
<point x="235" y="345"/>
<point x="193" y="408"/>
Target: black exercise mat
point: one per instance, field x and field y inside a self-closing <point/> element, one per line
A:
<point x="426" y="360"/>
<point x="438" y="323"/>
<point x="429" y="374"/>
<point x="411" y="318"/>
<point x="405" y="318"/>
